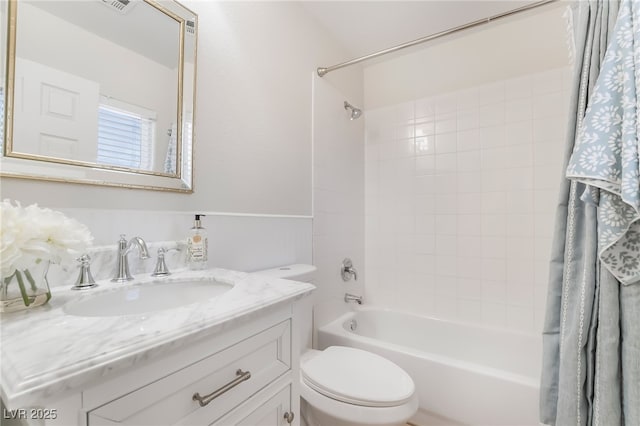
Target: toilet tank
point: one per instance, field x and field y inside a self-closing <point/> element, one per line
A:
<point x="298" y="272"/>
<point x="304" y="307"/>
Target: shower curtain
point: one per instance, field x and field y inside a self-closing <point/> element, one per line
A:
<point x="591" y="337"/>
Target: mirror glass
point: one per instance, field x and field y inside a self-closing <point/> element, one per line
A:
<point x="100" y="91"/>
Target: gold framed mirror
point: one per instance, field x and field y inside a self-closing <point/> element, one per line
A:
<point x="99" y="92"/>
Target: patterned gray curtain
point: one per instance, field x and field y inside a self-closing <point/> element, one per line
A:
<point x="591" y="356"/>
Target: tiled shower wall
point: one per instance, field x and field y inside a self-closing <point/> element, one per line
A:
<point x="460" y="199"/>
<point x="338" y="199"/>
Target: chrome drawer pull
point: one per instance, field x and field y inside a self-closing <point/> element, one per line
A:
<point x="204" y="400"/>
<point x="289" y="417"/>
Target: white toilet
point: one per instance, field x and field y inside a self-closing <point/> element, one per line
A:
<point x="343" y="386"/>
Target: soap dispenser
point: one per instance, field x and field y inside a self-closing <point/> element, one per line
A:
<point x="197" y="245"/>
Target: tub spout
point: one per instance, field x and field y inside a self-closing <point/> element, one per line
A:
<point x="353" y="298"/>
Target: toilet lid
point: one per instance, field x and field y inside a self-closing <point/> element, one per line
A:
<point x="357" y="377"/>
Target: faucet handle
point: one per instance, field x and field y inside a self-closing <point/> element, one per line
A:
<point x="122" y="243"/>
<point x="347" y="270"/>
<point x="85" y="279"/>
<point x="161" y="269"/>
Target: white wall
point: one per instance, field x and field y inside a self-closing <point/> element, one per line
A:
<point x="253" y="142"/>
<point x="525" y="43"/>
<point x="338" y="202"/>
<point x="462" y="173"/>
<point x="253" y="117"/>
<point x="243" y="243"/>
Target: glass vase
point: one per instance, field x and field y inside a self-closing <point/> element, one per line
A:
<point x="25" y="289"/>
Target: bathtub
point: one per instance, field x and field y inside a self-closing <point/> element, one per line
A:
<point x="464" y="374"/>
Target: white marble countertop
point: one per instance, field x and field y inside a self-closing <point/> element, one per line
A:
<point x="45" y="352"/>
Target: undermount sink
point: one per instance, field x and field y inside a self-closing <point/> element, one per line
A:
<point x="146" y="298"/>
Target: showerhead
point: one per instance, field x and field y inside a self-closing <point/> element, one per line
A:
<point x="355" y="112"/>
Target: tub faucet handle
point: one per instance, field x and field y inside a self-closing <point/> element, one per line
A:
<point x="347" y="271"/>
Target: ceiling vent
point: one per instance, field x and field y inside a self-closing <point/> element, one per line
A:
<point x="122" y="6"/>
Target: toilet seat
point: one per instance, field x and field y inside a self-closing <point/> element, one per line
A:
<point x="357" y="414"/>
<point x="357" y="377"/>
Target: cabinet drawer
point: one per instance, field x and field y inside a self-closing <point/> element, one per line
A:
<point x="169" y="400"/>
<point x="267" y="408"/>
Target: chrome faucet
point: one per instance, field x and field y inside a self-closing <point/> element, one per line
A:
<point x="347" y="270"/>
<point x="85" y="279"/>
<point x="161" y="269"/>
<point x="353" y="298"/>
<point x="122" y="267"/>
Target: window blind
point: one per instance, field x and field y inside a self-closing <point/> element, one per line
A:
<point x="187" y="147"/>
<point x="124" y="138"/>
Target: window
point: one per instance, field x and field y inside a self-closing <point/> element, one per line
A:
<point x="125" y="135"/>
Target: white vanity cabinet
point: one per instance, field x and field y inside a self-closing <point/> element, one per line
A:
<point x="232" y="359"/>
<point x="244" y="376"/>
<point x="272" y="410"/>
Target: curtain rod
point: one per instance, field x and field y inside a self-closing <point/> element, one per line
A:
<point x="322" y="71"/>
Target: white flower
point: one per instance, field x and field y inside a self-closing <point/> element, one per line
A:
<point x="588" y="138"/>
<point x="599" y="98"/>
<point x="607" y="236"/>
<point x="32" y="234"/>
<point x="596" y="158"/>
<point x="624" y="37"/>
<point x="616" y="78"/>
<point x="614" y="213"/>
<point x="606" y="117"/>
<point x="614" y="142"/>
<point x="630" y="189"/>
<point x="10" y="234"/>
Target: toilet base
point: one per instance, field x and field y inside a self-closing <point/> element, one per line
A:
<point x="313" y="417"/>
<point x="317" y="409"/>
